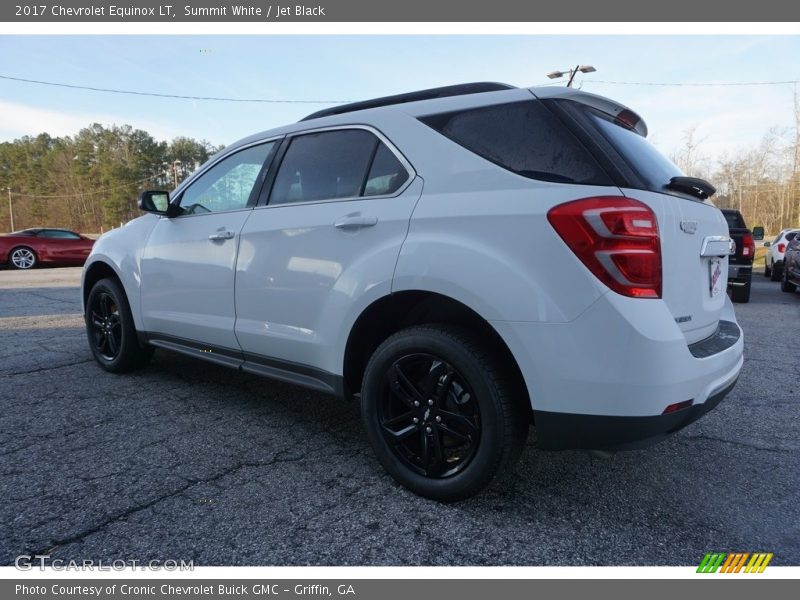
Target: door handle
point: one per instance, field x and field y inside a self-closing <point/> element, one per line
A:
<point x="221" y="236"/>
<point x="355" y="222"/>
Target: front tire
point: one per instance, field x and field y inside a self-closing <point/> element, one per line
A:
<point x="767" y="268"/>
<point x="22" y="258"/>
<point x="442" y="413"/>
<point x="110" y="329"/>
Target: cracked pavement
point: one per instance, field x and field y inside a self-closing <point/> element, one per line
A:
<point x="187" y="460"/>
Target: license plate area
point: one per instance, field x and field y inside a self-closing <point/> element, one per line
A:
<point x="715" y="276"/>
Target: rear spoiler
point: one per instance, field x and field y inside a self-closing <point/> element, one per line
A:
<point x="618" y="112"/>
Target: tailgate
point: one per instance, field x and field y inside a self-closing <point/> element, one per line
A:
<point x="694" y="247"/>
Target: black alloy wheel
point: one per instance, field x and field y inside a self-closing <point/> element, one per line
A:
<point x="113" y="339"/>
<point x="429" y="415"/>
<point x="106" y="326"/>
<point x="444" y="412"/>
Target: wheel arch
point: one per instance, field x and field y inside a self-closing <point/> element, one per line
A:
<point x="94" y="272"/>
<point x="393" y="312"/>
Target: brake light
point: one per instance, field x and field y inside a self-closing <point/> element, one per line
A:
<point x="749" y="246"/>
<point x="781" y="247"/>
<point x="617" y="239"/>
<point x="627" y="118"/>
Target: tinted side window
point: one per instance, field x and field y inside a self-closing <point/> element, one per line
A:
<point x="523" y="137"/>
<point x="64" y="235"/>
<point x="228" y="184"/>
<point x="386" y="175"/>
<point x="325" y="165"/>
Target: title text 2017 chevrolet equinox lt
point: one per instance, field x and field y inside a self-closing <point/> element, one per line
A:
<point x="466" y="261"/>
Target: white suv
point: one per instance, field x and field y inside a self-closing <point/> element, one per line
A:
<point x="467" y="261"/>
<point x="773" y="260"/>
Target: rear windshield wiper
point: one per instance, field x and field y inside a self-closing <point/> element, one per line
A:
<point x="699" y="188"/>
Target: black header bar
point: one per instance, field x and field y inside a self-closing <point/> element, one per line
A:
<point x="337" y="11"/>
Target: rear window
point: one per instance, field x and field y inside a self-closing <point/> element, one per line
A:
<point x="653" y="167"/>
<point x="735" y="220"/>
<point x="522" y="137"/>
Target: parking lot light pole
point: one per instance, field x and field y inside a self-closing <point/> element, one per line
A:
<point x="572" y="73"/>
<point x="10" y="208"/>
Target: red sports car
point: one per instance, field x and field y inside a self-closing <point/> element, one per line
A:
<point x="31" y="247"/>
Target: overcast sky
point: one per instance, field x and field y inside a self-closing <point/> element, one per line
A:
<point x="359" y="67"/>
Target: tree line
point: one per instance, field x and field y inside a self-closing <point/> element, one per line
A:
<point x="762" y="182"/>
<point x="90" y="182"/>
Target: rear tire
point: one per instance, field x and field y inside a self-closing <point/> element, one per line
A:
<point x="741" y="294"/>
<point x="109" y="327"/>
<point x="777" y="272"/>
<point x="22" y="258"/>
<point x="442" y="413"/>
<point x="786" y="285"/>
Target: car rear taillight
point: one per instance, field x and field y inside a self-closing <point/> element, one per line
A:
<point x="781" y="248"/>
<point x="749" y="246"/>
<point x="617" y="239"/>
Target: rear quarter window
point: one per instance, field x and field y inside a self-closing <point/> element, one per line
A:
<point x="524" y="138"/>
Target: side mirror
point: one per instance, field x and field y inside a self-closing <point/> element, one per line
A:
<point x="758" y="233"/>
<point x="767" y="244"/>
<point x="156" y="202"/>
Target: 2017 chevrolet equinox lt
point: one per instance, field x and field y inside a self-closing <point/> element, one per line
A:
<point x="466" y="261"/>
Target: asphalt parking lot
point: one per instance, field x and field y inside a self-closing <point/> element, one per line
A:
<point x="191" y="461"/>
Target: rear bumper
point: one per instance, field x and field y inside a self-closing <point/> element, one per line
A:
<point x="604" y="380"/>
<point x="563" y="431"/>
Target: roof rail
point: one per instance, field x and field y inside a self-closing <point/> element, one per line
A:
<point x="440" y="92"/>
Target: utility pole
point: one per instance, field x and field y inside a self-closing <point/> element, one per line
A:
<point x="175" y="165"/>
<point x="10" y="208"/>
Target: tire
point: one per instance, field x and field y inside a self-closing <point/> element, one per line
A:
<point x="786" y="285"/>
<point x="767" y="269"/>
<point x="22" y="258"/>
<point x="110" y="329"/>
<point x="777" y="271"/>
<point x="471" y="417"/>
<point x="741" y="294"/>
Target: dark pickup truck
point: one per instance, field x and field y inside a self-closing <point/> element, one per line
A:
<point x="740" y="264"/>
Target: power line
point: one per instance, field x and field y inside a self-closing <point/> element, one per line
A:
<point x="178" y="96"/>
<point x="693" y="84"/>
<point x="92" y="193"/>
